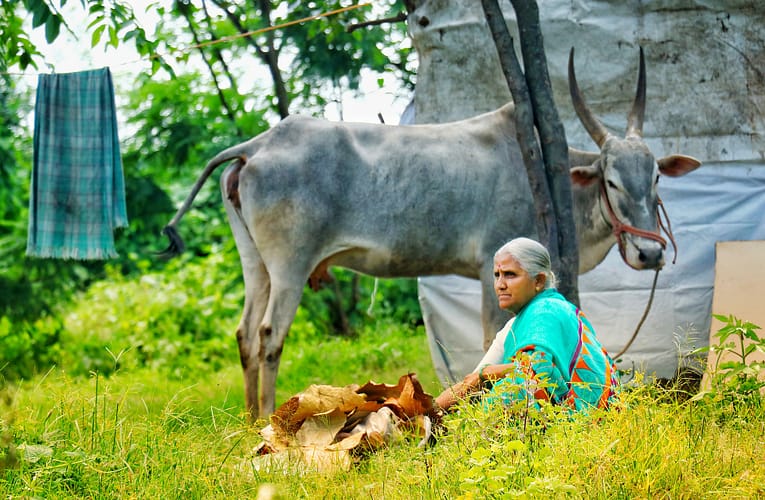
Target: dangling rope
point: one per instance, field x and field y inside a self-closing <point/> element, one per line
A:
<point x="642" y="320"/>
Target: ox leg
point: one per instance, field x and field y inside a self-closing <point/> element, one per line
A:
<point x="492" y="317"/>
<point x="257" y="287"/>
<point x="282" y="305"/>
<point x="256" y="292"/>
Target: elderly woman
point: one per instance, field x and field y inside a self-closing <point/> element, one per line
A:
<point x="548" y="350"/>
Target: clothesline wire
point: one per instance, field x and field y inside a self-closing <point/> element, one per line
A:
<point x="230" y="38"/>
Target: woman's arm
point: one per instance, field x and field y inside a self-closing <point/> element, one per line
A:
<point x="471" y="383"/>
<point x="496" y="352"/>
<point x="474" y="380"/>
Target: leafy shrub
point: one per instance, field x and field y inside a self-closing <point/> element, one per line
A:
<point x="28" y="346"/>
<point x="183" y="320"/>
<point x="740" y="375"/>
<point x="175" y="322"/>
<point x="737" y="382"/>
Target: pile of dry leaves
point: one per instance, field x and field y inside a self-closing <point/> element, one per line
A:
<point x="326" y="427"/>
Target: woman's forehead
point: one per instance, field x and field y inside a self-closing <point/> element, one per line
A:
<point x="506" y="261"/>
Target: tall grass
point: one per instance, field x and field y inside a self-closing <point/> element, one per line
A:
<point x="136" y="435"/>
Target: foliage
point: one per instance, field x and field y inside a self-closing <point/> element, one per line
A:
<point x="14" y="140"/>
<point x="735" y="377"/>
<point x="176" y="324"/>
<point x="328" y="51"/>
<point x="178" y="126"/>
<point x="175" y="125"/>
<point x="178" y="321"/>
<point x="16" y="46"/>
<point x="114" y="19"/>
<point x="507" y="456"/>
<point x="322" y="56"/>
<point x="351" y="300"/>
<point x="28" y="346"/>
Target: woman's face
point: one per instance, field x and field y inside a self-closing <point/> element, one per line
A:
<point x="514" y="287"/>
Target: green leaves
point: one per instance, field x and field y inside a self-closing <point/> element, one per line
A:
<point x="43" y="14"/>
<point x="15" y="46"/>
<point x="735" y="373"/>
<point x="40" y="12"/>
<point x="52" y="27"/>
<point x="111" y="21"/>
<point x="740" y="331"/>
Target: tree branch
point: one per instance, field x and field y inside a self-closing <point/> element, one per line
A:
<point x="270" y="57"/>
<point x="217" y="52"/>
<point x="221" y="96"/>
<point x="376" y="22"/>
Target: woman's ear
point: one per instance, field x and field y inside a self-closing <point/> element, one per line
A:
<point x="540" y="281"/>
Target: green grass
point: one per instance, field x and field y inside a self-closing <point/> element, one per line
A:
<point x="138" y="435"/>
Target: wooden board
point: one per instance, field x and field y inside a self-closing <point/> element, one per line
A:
<point x="739" y="290"/>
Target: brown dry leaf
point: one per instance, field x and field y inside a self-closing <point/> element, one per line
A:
<point x="282" y="417"/>
<point x="349" y="442"/>
<point x="317" y="399"/>
<point x="320" y="430"/>
<point x="322" y="398"/>
<point x="406" y="399"/>
<point x="322" y="425"/>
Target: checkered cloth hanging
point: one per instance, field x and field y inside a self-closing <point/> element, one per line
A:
<point x="77" y="195"/>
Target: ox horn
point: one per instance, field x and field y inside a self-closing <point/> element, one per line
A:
<point x="635" y="118"/>
<point x="593" y="126"/>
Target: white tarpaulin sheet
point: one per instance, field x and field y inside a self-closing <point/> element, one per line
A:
<point x="715" y="203"/>
<point x="706" y="79"/>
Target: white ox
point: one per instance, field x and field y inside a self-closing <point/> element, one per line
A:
<point x="405" y="201"/>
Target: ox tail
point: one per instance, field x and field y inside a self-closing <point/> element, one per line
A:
<point x="176" y="246"/>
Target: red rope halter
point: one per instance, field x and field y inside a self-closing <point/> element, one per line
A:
<point x="619" y="227"/>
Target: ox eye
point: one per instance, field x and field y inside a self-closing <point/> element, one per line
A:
<point x="657" y="180"/>
<point x="611" y="184"/>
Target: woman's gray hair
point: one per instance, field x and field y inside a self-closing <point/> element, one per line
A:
<point x="532" y="256"/>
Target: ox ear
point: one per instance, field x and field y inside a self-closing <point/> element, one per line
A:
<point x="584" y="176"/>
<point x="577" y="157"/>
<point x="677" y="165"/>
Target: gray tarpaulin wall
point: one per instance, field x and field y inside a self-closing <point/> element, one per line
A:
<point x="705" y="98"/>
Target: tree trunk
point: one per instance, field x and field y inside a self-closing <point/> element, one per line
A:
<point x="547" y="168"/>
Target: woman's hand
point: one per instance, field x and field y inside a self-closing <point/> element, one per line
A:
<point x="471" y="383"/>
